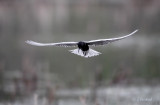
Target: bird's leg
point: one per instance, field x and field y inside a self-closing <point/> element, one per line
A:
<point x="84" y="53"/>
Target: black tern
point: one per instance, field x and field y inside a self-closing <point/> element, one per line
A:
<point x="83" y="46"/>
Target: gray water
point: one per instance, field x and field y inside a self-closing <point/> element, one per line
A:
<point x="116" y="95"/>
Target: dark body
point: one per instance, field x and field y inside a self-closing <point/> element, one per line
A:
<point x="83" y="46"/>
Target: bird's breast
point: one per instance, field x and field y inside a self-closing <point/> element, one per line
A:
<point x="83" y="46"/>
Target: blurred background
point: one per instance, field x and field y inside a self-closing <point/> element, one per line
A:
<point x="127" y="72"/>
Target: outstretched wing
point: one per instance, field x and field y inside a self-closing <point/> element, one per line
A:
<point x="61" y="44"/>
<point x="106" y="41"/>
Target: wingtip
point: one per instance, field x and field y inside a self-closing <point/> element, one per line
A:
<point x="27" y="41"/>
<point x="133" y="32"/>
<point x="136" y="30"/>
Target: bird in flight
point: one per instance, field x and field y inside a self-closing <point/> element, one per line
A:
<point x="83" y="46"/>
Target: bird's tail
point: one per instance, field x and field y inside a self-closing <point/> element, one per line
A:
<point x="89" y="53"/>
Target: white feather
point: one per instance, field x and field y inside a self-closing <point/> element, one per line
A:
<point x="106" y="41"/>
<point x="62" y="44"/>
<point x="90" y="52"/>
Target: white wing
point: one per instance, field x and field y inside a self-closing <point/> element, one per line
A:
<point x="61" y="44"/>
<point x="106" y="41"/>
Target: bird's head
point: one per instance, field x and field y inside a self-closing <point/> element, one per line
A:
<point x="81" y="44"/>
